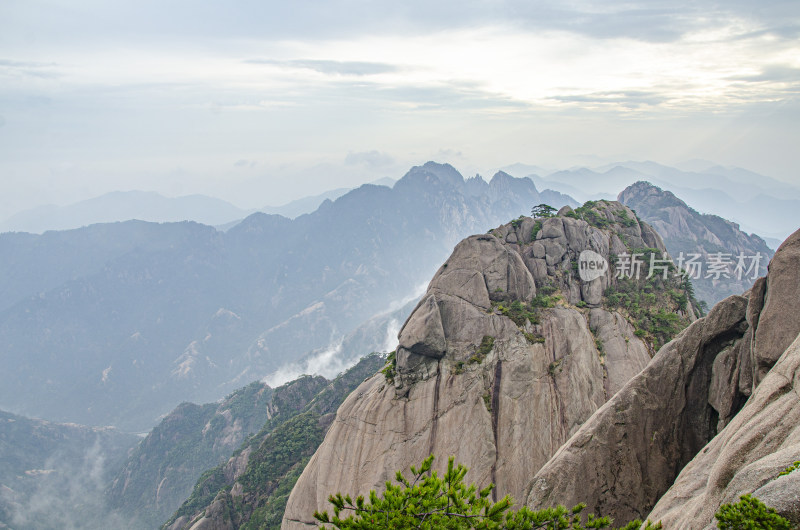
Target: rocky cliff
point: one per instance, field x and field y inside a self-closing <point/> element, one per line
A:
<point x="686" y="231"/>
<point x="507" y="354"/>
<point x="712" y="409"/>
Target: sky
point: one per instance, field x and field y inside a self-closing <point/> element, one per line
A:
<point x="260" y="102"/>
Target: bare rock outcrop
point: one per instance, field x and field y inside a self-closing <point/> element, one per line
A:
<point x="778" y="325"/>
<point x="710" y="403"/>
<point x="746" y="457"/>
<point x="496" y="366"/>
<point x="629" y="452"/>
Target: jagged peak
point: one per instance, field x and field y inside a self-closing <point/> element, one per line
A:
<point x="502" y="175"/>
<point x="444" y="173"/>
<point x="523" y="263"/>
<point x="643" y="188"/>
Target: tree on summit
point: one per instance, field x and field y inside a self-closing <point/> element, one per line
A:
<point x="543" y="210"/>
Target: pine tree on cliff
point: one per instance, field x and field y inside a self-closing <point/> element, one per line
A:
<point x="542" y="210"/>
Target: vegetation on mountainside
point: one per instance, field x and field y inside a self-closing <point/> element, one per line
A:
<point x="793" y="467"/>
<point x="390" y="370"/>
<point x="750" y="514"/>
<point x="590" y="212"/>
<point x="279" y="452"/>
<point x="655" y="301"/>
<point x="537" y="226"/>
<point x="522" y="313"/>
<point x="429" y="501"/>
<point x="168" y="462"/>
<point x="432" y="502"/>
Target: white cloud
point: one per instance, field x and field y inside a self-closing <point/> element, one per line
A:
<point x="531" y="82"/>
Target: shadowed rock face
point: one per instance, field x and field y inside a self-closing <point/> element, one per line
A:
<point x="630" y="452"/>
<point x="502" y="410"/>
<point x="764" y="438"/>
<point x="746" y="457"/>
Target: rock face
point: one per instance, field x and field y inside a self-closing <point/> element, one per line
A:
<point x="687" y="231"/>
<point x="746" y="457"/>
<point x="506" y="356"/>
<point x="777" y="324"/>
<point x="631" y="451"/>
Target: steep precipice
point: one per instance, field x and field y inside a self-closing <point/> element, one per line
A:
<point x="686" y="413"/>
<point x="507" y="354"/>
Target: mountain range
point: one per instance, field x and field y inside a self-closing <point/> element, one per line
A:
<point x="118" y="323"/>
<point x="145" y="316"/>
<point x="154" y="207"/>
<point x="756" y="202"/>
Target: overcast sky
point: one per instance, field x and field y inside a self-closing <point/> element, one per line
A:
<point x="260" y="102"/>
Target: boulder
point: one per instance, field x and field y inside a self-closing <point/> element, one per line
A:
<point x="423" y="333"/>
<point x="778" y="324"/>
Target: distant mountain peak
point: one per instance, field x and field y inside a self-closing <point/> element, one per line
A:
<point x="687" y="232"/>
<point x="445" y="173"/>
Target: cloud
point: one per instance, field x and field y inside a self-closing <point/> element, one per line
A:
<point x="328" y="363"/>
<point x="630" y="99"/>
<point x="776" y="73"/>
<point x="449" y="154"/>
<point x="245" y="163"/>
<point x="29" y="68"/>
<point x="24" y="64"/>
<point x="352" y="68"/>
<point x="67" y="494"/>
<point x="372" y="159"/>
<point x="392" y="329"/>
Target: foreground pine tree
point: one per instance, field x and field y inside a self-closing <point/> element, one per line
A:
<point x="432" y="503"/>
<point x="750" y="514"/>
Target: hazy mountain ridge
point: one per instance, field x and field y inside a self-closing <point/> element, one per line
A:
<point x="120" y="206"/>
<point x="250" y="490"/>
<point x="160" y="472"/>
<point x="756" y="202"/>
<point x="123" y="206"/>
<point x="168" y="278"/>
<point x="686" y="232"/>
<point x="202" y="312"/>
<point x="51" y="474"/>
